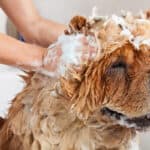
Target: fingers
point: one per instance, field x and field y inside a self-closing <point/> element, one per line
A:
<point x="84" y="40"/>
<point x="52" y="58"/>
<point x="69" y="51"/>
<point x="88" y="51"/>
<point x="88" y="54"/>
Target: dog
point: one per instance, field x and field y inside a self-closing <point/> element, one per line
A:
<point x="101" y="106"/>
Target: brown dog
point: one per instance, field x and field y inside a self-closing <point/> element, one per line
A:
<point x="100" y="107"/>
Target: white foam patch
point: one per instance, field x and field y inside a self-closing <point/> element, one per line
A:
<point x="71" y="53"/>
<point x="146" y="42"/>
<point x="92" y="41"/>
<point x="139" y="40"/>
<point x="127" y="33"/>
<point x="70" y="45"/>
<point x="118" y="20"/>
<point x="134" y="145"/>
<point x="136" y="41"/>
<point x="36" y="63"/>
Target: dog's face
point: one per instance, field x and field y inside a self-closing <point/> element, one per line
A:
<point x="118" y="83"/>
<point x="126" y="79"/>
<point x="118" y="86"/>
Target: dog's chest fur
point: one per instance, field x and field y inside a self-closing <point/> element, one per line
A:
<point x="42" y="120"/>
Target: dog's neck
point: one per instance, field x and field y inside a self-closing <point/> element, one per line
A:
<point x="45" y="113"/>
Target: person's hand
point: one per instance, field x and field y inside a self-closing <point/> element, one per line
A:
<point x="68" y="51"/>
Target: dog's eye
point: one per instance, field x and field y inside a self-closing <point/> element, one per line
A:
<point x="119" y="65"/>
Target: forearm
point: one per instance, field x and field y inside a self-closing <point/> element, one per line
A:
<point x="16" y="53"/>
<point x="30" y="24"/>
<point x="21" y="12"/>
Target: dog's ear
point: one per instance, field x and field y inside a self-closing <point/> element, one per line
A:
<point x="85" y="89"/>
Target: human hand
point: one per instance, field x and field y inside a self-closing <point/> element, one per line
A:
<point x="67" y="51"/>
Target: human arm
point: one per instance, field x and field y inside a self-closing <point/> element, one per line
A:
<point x="19" y="54"/>
<point x="69" y="51"/>
<point x="35" y="58"/>
<point x="30" y="24"/>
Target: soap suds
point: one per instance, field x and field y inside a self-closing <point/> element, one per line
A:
<point x="118" y="20"/>
<point x="36" y="63"/>
<point x="127" y="33"/>
<point x="139" y="40"/>
<point x="70" y="53"/>
<point x="71" y="48"/>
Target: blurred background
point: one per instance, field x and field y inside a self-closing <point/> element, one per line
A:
<point x="61" y="11"/>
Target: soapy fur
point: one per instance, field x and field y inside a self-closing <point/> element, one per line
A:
<point x="65" y="110"/>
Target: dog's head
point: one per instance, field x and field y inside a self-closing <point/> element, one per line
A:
<point x="117" y="84"/>
<point x="126" y="81"/>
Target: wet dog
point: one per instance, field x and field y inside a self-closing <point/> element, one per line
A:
<point x="100" y="106"/>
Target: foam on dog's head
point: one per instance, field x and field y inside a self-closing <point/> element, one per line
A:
<point x="124" y="47"/>
<point x="111" y="79"/>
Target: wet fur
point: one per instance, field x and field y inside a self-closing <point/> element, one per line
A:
<point x="65" y="114"/>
